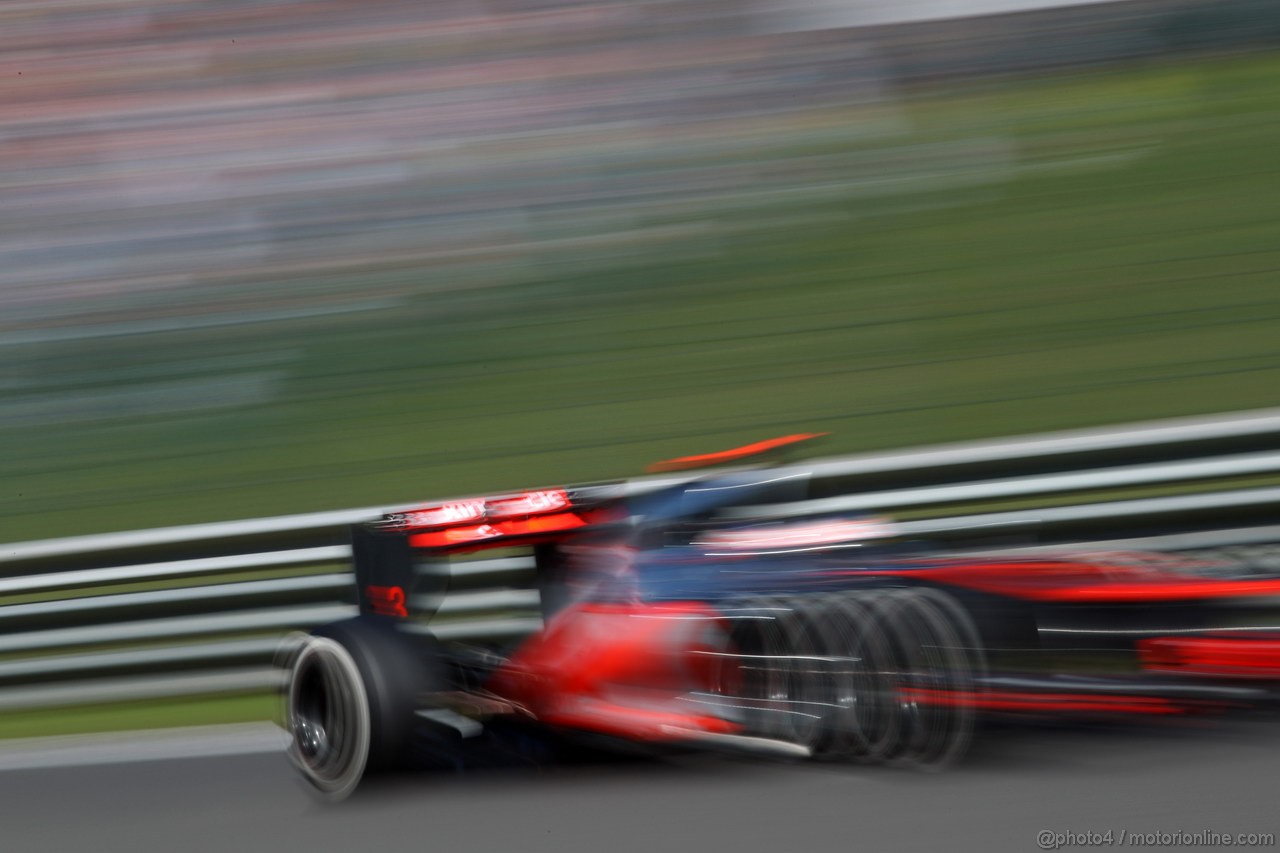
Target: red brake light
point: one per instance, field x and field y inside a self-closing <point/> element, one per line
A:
<point x="386" y="600"/>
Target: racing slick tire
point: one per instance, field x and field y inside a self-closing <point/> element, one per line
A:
<point x="937" y="664"/>
<point x="351" y="698"/>
<point x="869" y="676"/>
<point x="864" y="724"/>
<point x="771" y="641"/>
<point x="816" y="671"/>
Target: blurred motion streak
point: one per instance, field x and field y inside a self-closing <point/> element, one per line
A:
<point x="281" y="256"/>
<point x="261" y="256"/>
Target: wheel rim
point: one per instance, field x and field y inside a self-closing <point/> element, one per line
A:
<point x="328" y="717"/>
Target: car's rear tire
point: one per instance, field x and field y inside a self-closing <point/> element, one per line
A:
<point x="352" y="692"/>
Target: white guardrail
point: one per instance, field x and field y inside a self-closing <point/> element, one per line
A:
<point x="218" y="597"/>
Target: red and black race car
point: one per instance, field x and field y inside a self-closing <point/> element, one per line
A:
<point x="681" y="618"/>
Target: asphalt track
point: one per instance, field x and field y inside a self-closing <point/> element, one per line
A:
<point x="112" y="794"/>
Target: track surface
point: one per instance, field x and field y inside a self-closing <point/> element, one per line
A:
<point x="1222" y="776"/>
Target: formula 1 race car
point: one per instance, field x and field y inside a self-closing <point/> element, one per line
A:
<point x="684" y="616"/>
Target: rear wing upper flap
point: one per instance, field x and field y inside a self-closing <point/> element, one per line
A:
<point x="401" y="562"/>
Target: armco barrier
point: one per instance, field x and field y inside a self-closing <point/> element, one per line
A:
<point x="73" y="636"/>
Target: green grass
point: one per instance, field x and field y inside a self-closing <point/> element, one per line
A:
<point x="126" y="716"/>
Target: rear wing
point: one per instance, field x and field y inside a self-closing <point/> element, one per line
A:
<point x="401" y="561"/>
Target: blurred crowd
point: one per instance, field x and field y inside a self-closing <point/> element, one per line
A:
<point x="235" y="151"/>
<point x="248" y="147"/>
